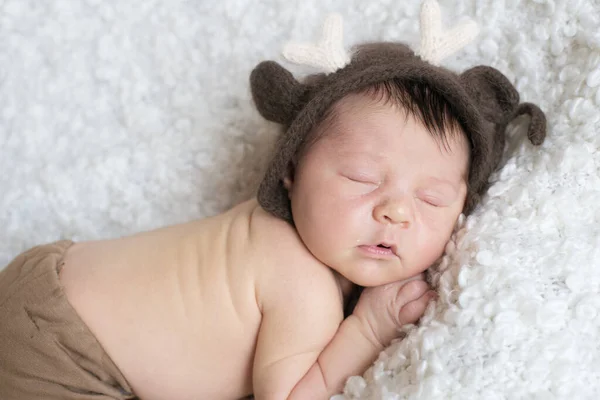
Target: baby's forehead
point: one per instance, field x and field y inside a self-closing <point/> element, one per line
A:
<point x="347" y="111"/>
<point x="352" y="109"/>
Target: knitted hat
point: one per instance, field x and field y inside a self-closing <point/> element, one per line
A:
<point x="482" y="99"/>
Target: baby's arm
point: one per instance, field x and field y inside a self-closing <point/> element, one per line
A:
<point x="297" y="324"/>
<point x="301" y="353"/>
<point x="363" y="335"/>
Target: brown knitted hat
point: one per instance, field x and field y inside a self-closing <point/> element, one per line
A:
<point x="482" y="99"/>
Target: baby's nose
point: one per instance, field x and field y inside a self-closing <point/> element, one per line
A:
<point x="395" y="212"/>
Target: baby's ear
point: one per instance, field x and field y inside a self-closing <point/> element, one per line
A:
<point x="288" y="179"/>
<point x="277" y="94"/>
<point x="498" y="102"/>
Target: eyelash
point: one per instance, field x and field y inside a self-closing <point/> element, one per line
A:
<point x="358" y="178"/>
<point x="361" y="180"/>
<point x="434" y="203"/>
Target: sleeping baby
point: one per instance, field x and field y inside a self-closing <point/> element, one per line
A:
<point x="378" y="157"/>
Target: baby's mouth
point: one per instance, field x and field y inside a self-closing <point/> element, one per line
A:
<point x="387" y="245"/>
<point x="380" y="250"/>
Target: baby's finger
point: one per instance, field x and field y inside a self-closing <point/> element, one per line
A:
<point x="412" y="311"/>
<point x="418" y="277"/>
<point x="410" y="291"/>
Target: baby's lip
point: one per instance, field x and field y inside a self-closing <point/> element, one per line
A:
<point x="372" y="248"/>
<point x="391" y="246"/>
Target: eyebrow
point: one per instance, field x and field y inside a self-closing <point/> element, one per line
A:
<point x="443" y="182"/>
<point x="343" y="153"/>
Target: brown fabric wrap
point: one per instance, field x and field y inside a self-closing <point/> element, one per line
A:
<point x="482" y="100"/>
<point x="46" y="350"/>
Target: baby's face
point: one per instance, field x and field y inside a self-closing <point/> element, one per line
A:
<point x="377" y="197"/>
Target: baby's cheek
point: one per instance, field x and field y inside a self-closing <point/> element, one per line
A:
<point x="432" y="219"/>
<point x="435" y="241"/>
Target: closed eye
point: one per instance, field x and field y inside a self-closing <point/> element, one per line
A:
<point x="434" y="198"/>
<point x="432" y="201"/>
<point x="361" y="179"/>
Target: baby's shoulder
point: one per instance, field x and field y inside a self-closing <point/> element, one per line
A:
<point x="281" y="246"/>
<point x="289" y="270"/>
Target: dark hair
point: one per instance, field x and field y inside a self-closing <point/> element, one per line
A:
<point x="417" y="99"/>
<point x="422" y="103"/>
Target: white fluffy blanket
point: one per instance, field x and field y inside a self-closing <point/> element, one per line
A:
<point x="120" y="116"/>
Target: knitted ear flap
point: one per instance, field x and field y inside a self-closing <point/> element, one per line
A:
<point x="491" y="91"/>
<point x="537" y="127"/>
<point x="276" y="93"/>
<point x="498" y="103"/>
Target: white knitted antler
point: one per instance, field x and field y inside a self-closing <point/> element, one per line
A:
<point x="328" y="54"/>
<point x="437" y="44"/>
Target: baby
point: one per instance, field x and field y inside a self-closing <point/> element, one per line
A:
<point x="378" y="159"/>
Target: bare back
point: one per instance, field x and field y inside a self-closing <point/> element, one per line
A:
<point x="176" y="308"/>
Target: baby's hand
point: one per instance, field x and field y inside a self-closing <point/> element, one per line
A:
<point x="382" y="310"/>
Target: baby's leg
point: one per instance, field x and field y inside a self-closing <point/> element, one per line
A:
<point x="46" y="351"/>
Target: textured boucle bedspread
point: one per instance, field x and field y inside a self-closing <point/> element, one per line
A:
<point x="121" y="116"/>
